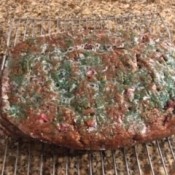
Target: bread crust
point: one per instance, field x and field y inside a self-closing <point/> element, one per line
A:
<point x="106" y="109"/>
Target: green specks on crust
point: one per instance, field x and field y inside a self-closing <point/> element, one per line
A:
<point x="18" y="79"/>
<point x="26" y="62"/>
<point x="63" y="80"/>
<point x="16" y="111"/>
<point x="90" y="78"/>
<point x="90" y="59"/>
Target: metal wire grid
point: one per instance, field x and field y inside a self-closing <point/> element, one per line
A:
<point x="20" y="29"/>
<point x="19" y="157"/>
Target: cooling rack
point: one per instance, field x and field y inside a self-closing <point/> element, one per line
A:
<point x="19" y="156"/>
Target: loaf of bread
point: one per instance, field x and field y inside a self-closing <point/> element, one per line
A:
<point x="90" y="90"/>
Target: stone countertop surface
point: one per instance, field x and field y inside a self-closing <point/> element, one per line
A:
<point x="25" y="157"/>
<point x="79" y="8"/>
<point x="35" y="158"/>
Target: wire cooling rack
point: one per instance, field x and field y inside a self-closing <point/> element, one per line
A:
<point x="22" y="157"/>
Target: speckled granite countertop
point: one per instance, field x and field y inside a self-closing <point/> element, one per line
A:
<point x="24" y="157"/>
<point x="79" y="8"/>
<point x="34" y="158"/>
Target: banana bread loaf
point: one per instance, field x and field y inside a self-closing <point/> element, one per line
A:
<point x="90" y="90"/>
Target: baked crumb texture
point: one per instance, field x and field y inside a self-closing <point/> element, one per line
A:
<point x="91" y="91"/>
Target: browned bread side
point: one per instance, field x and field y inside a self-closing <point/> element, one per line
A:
<point x="90" y="91"/>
